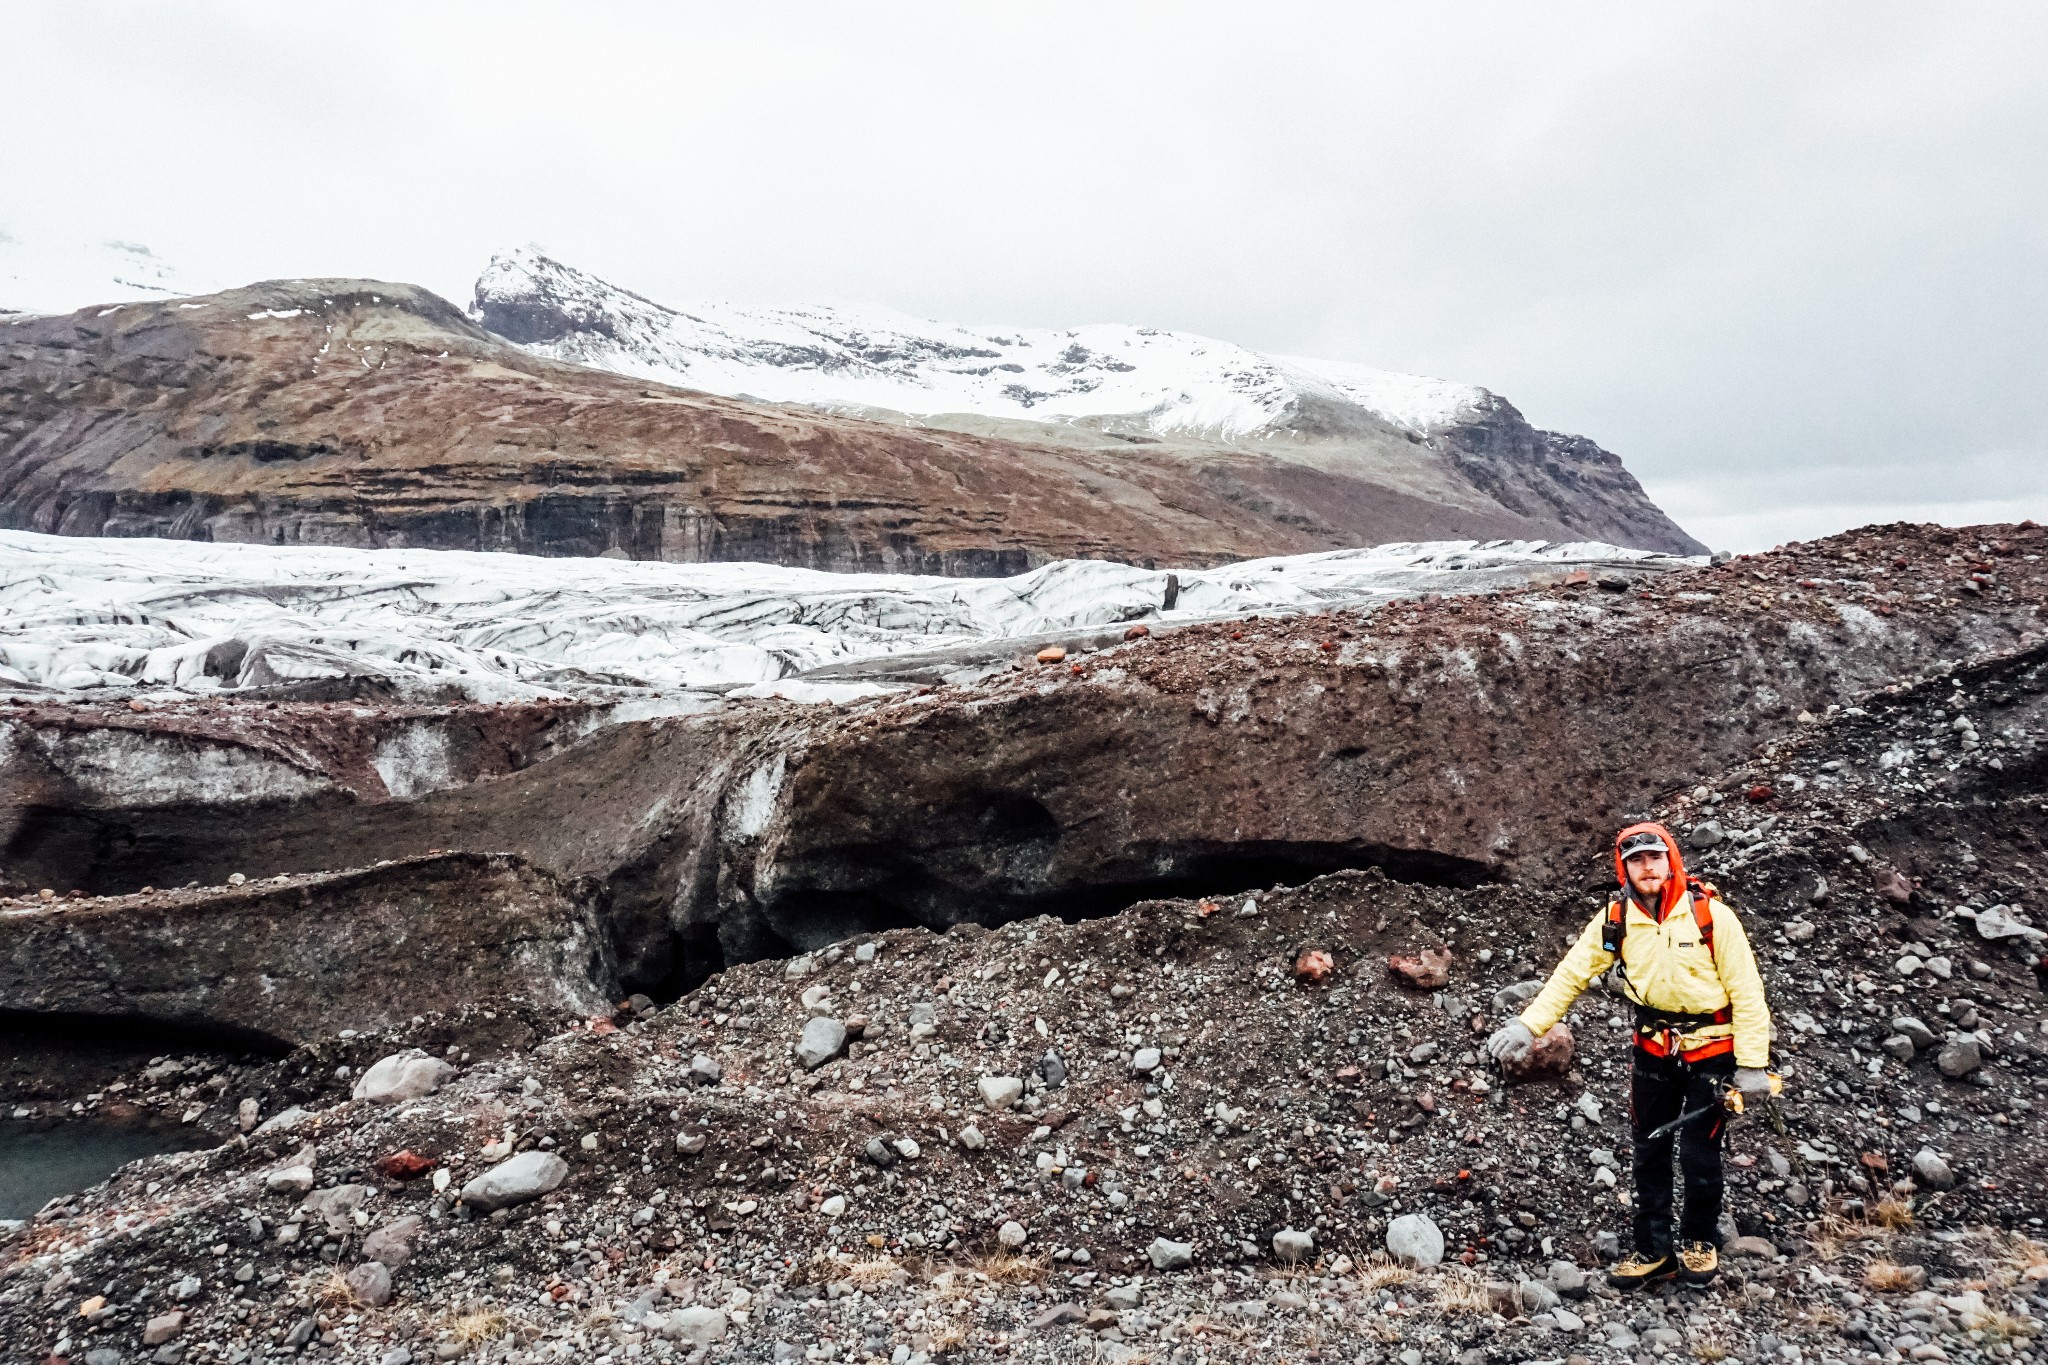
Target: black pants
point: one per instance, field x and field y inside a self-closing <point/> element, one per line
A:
<point x="1660" y="1089"/>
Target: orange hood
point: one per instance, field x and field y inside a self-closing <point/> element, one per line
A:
<point x="1674" y="888"/>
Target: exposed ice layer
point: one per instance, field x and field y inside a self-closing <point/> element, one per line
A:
<point x="1168" y="381"/>
<point x="80" y="613"/>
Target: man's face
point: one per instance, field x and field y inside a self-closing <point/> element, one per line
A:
<point x="1648" y="871"/>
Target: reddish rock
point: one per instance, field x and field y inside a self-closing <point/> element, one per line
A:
<point x="1893" y="886"/>
<point x="1137" y="632"/>
<point x="1427" y="970"/>
<point x="405" y="1165"/>
<point x="1760" y="793"/>
<point x="1549" y="1059"/>
<point x="1314" y="966"/>
<point x="1052" y="654"/>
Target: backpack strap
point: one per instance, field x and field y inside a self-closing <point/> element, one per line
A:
<point x="1614" y="929"/>
<point x="1703" y="894"/>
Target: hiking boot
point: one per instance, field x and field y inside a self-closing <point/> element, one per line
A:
<point x="1639" y="1270"/>
<point x="1698" y="1262"/>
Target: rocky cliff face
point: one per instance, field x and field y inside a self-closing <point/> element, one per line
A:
<point x="337" y="412"/>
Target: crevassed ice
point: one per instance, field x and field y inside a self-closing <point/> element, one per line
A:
<point x="79" y="614"/>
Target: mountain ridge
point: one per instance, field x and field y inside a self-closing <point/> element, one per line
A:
<point x="1117" y="381"/>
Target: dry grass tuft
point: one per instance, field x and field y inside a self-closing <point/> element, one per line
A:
<point x="1382" y="1273"/>
<point x="333" y="1292"/>
<point x="2026" y="1258"/>
<point x="1888" y="1277"/>
<point x="1462" y="1292"/>
<point x="1003" y="1267"/>
<point x="1710" y="1349"/>
<point x="872" y="1272"/>
<point x="478" y="1326"/>
<point x="1891" y="1213"/>
<point x="948" y="1339"/>
<point x="1999" y="1326"/>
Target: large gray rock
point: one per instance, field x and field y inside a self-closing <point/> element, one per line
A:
<point x="1959" y="1057"/>
<point x="517" y="1180"/>
<point x="1931" y="1171"/>
<point x="1567" y="1279"/>
<point x="371" y="1283"/>
<point x="402" y="1076"/>
<point x="1510" y="999"/>
<point x="1922" y="1037"/>
<point x="1999" y="923"/>
<point x="823" y="1039"/>
<point x="1166" y="1254"/>
<point x="392" y="1243"/>
<point x="1534" y="1296"/>
<point x="336" y="1205"/>
<point x="999" y="1092"/>
<point x="1292" y="1246"/>
<point x="1414" y="1239"/>
<point x="698" y="1325"/>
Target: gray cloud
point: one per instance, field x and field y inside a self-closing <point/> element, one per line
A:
<point x="1788" y="261"/>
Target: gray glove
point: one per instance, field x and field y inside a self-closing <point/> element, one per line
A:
<point x="1510" y="1042"/>
<point x="1753" y="1082"/>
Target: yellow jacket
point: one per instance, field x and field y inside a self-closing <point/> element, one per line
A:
<point x="1667" y="967"/>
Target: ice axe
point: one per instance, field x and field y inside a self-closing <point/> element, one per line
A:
<point x="1731" y="1100"/>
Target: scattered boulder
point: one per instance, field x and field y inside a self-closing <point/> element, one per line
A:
<point x="524" y="1177"/>
<point x="1959" y="1057"/>
<point x="1893" y="886"/>
<point x="999" y="1092"/>
<point x="1415" y="1239"/>
<point x="697" y="1325"/>
<point x="1567" y="1279"/>
<point x="1753" y="1248"/>
<point x="392" y="1243"/>
<point x="1999" y="923"/>
<point x="1549" y="1058"/>
<point x="292" y="1180"/>
<point x="370" y="1282"/>
<point x="162" y="1328"/>
<point x="1510" y="999"/>
<point x="823" y="1039"/>
<point x="1292" y="1246"/>
<point x="1012" y="1235"/>
<point x="402" y="1076"/>
<point x="1426" y="970"/>
<point x="1931" y="1171"/>
<point x="705" y="1070"/>
<point x="1921" y="1036"/>
<point x="1314" y="966"/>
<point x="1146" y="1060"/>
<point x="1166" y="1254"/>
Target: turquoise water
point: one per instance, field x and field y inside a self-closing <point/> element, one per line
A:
<point x="37" y="1166"/>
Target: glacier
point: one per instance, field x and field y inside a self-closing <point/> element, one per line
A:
<point x="876" y="359"/>
<point x="137" y="616"/>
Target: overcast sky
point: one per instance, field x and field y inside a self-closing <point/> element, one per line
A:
<point x="1788" y="261"/>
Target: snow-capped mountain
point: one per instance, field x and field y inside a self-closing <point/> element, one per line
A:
<point x="40" y="275"/>
<point x="1166" y="382"/>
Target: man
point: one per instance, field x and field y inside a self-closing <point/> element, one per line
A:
<point x="1701" y="1024"/>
